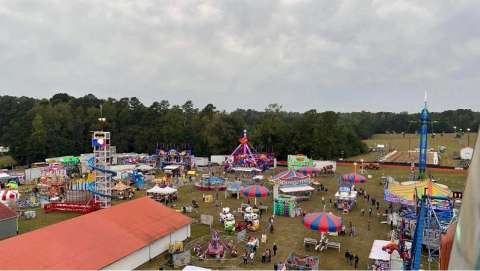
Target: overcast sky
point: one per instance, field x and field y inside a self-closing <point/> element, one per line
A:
<point x="325" y="55"/>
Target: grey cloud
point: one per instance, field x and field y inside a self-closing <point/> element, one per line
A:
<point x="337" y="55"/>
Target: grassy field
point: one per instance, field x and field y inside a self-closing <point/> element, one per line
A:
<point x="7" y="161"/>
<point x="289" y="232"/>
<point x="410" y="142"/>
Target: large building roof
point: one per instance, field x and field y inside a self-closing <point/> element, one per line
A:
<point x="94" y="240"/>
<point x="6" y="213"/>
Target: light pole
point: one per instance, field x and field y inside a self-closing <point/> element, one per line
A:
<point x="468" y="137"/>
<point x="102" y="122"/>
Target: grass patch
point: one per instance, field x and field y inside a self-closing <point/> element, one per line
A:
<point x="7" y="161"/>
<point x="411" y="141"/>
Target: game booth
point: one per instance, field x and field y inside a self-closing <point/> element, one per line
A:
<point x="346" y="196"/>
<point x="293" y="183"/>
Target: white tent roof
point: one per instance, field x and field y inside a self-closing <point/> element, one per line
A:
<point x="164" y="191"/>
<point x="292" y="189"/>
<point x="144" y="167"/>
<point x="195" y="268"/>
<point x="246" y="169"/>
<point x="156" y="189"/>
<point x="171" y="167"/>
<point x="169" y="190"/>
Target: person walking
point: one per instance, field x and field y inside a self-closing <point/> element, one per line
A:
<point x="347" y="255"/>
<point x="370" y="212"/>
<point x="356" y="259"/>
<point x="275" y="248"/>
<point x="350" y="259"/>
<point x="368" y="225"/>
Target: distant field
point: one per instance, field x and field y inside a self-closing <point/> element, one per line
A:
<point x="7" y="161"/>
<point x="406" y="142"/>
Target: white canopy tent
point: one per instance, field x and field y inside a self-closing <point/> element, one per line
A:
<point x="171" y="167"/>
<point x="246" y="169"/>
<point x="155" y="190"/>
<point x="293" y="189"/>
<point x="162" y="190"/>
<point x="144" y="167"/>
<point x="195" y="268"/>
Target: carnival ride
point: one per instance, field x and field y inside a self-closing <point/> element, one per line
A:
<point x="8" y="196"/>
<point x="244" y="156"/>
<point x="211" y="183"/>
<point x="101" y="187"/>
<point x="300" y="262"/>
<point x="407" y="193"/>
<point x="216" y="247"/>
<point x="434" y="215"/>
<point x="174" y="157"/>
<point x="290" y="177"/>
<point x="228" y="220"/>
<point x="251" y="219"/>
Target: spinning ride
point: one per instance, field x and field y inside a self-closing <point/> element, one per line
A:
<point x="245" y="156"/>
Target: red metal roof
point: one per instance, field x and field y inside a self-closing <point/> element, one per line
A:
<point x="94" y="240"/>
<point x="6" y="213"/>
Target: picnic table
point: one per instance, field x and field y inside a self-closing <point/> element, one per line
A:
<point x="309" y="243"/>
<point x="336" y="245"/>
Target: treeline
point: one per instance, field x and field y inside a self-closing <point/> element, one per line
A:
<point x="38" y="128"/>
<point x="366" y="124"/>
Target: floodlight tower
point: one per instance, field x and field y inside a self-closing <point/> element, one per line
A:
<point x="422" y="160"/>
<point x="101" y="162"/>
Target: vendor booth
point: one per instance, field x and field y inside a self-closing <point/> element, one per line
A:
<point x="301" y="193"/>
<point x="345" y="197"/>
